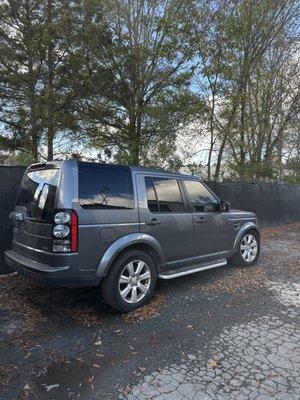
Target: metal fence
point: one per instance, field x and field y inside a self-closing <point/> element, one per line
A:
<point x="273" y="203"/>
<point x="10" y="178"/>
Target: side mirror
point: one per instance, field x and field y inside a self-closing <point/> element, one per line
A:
<point x="224" y="205"/>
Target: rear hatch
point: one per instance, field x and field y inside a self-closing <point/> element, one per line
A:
<point x="35" y="205"/>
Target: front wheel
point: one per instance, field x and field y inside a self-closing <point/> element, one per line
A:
<point x="130" y="282"/>
<point x="248" y="249"/>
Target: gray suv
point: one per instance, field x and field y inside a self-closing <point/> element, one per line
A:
<point x="86" y="224"/>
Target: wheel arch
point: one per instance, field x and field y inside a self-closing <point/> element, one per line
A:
<point x="249" y="226"/>
<point x="128" y="242"/>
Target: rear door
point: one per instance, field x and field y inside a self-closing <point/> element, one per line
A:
<point x="164" y="215"/>
<point x="213" y="230"/>
<point x="35" y="205"/>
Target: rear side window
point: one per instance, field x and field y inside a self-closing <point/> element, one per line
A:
<point x="200" y="197"/>
<point x="37" y="193"/>
<point x="163" y="195"/>
<point x="151" y="195"/>
<point x="105" y="187"/>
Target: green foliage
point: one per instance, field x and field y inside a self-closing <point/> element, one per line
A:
<point x="127" y="77"/>
<point x="138" y="83"/>
<point x="37" y="65"/>
<point x="252" y="171"/>
<point x="293" y="171"/>
<point x="18" y="158"/>
<point x="249" y="58"/>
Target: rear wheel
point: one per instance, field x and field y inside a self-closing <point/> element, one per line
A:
<point x="130" y="282"/>
<point x="248" y="249"/>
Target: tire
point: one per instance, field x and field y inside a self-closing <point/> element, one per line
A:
<point x="240" y="258"/>
<point x="112" y="287"/>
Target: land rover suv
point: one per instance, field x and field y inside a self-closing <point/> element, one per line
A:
<point x="121" y="227"/>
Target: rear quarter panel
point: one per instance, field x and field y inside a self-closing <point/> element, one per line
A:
<point x="98" y="229"/>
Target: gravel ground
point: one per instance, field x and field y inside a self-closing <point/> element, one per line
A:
<point x="228" y="333"/>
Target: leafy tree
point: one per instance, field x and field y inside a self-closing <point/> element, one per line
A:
<point x="137" y="60"/>
<point x="261" y="59"/>
<point x="37" y="67"/>
<point x="128" y="78"/>
<point x="232" y="56"/>
<point x="20" y="65"/>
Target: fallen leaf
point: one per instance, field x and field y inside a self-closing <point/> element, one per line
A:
<point x="213" y="363"/>
<point x="191" y="328"/>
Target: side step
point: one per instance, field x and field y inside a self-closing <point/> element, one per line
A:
<point x="191" y="269"/>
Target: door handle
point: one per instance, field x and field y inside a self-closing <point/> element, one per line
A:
<point x="200" y="220"/>
<point x="19" y="216"/>
<point x="153" y="222"/>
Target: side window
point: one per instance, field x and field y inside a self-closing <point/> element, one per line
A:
<point x="200" y="197"/>
<point x="164" y="195"/>
<point x="151" y="195"/>
<point x="103" y="187"/>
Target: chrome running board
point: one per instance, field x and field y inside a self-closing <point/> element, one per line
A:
<point x="191" y="269"/>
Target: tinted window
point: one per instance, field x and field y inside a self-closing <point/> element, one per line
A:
<point x="105" y="187"/>
<point x="200" y="197"/>
<point x="37" y="193"/>
<point x="168" y="196"/>
<point x="151" y="195"/>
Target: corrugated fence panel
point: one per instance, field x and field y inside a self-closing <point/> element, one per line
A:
<point x="10" y="178"/>
<point x="273" y="203"/>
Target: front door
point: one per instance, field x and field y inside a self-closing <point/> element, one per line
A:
<point x="164" y="215"/>
<point x="213" y="229"/>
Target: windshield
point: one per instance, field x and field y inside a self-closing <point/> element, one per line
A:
<point x="37" y="193"/>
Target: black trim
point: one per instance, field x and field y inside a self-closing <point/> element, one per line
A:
<point x="154" y="188"/>
<point x="45" y="274"/>
<point x="184" y="196"/>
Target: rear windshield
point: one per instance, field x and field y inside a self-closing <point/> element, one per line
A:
<point x="105" y="187"/>
<point x="37" y="193"/>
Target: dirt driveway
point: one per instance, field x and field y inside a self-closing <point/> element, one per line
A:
<point x="228" y="333"/>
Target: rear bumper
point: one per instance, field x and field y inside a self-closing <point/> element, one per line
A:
<point x="46" y="274"/>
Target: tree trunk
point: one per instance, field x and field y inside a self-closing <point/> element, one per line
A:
<point x="50" y="90"/>
<point x="50" y="137"/>
<point x="242" y="126"/>
<point x="134" y="158"/>
<point x="242" y="139"/>
<point x="279" y="156"/>
<point x="34" y="142"/>
<point x="34" y="146"/>
<point x="211" y="123"/>
<point x="134" y="140"/>
<point x="33" y="101"/>
<point x="219" y="160"/>
<point x="209" y="164"/>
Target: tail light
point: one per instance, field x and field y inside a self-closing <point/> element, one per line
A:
<point x="65" y="232"/>
<point x="74" y="231"/>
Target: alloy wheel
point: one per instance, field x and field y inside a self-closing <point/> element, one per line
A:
<point x="134" y="281"/>
<point x="249" y="247"/>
